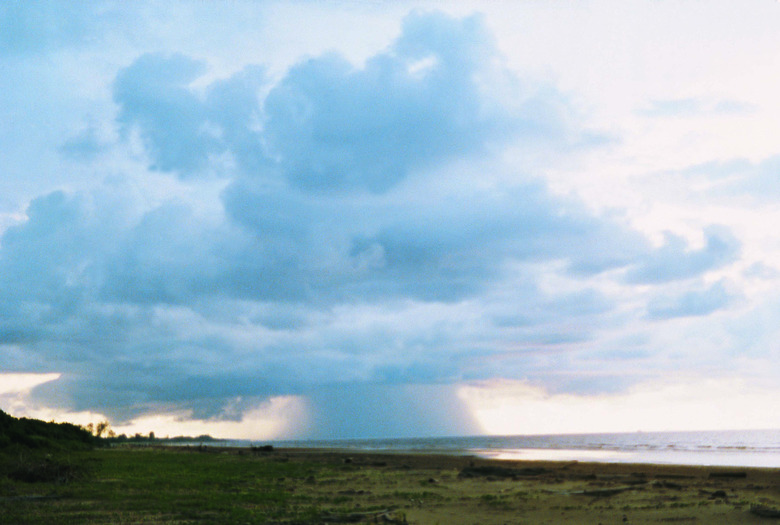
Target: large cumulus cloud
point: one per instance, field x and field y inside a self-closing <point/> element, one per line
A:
<point x="183" y="130"/>
<point x="334" y="127"/>
<point x="367" y="237"/>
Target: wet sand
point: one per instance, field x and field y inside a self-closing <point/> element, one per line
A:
<point x="430" y="488"/>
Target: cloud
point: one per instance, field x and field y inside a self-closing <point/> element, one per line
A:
<point x="331" y="126"/>
<point x="85" y="145"/>
<point x="364" y="244"/>
<point x="675" y="260"/>
<point x="335" y="127"/>
<point x="35" y="26"/>
<point x="675" y="107"/>
<point x="170" y="255"/>
<point x="739" y="178"/>
<point x="692" y="303"/>
<point x="153" y="94"/>
<point x="183" y="130"/>
<point x="694" y="107"/>
<point x="440" y="245"/>
<point x="39" y="266"/>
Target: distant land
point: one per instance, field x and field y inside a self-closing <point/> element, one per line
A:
<point x="37" y="434"/>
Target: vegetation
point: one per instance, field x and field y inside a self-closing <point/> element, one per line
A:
<point x="34" y="434"/>
<point x="62" y="473"/>
<point x="151" y="439"/>
<point x="55" y="474"/>
<point x="33" y="451"/>
<point x="164" y="485"/>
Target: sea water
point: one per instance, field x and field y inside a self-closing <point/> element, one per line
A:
<point x="745" y="448"/>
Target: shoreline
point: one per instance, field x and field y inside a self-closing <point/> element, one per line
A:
<point x="453" y="459"/>
<point x="710" y="458"/>
<point x="754" y="448"/>
<point x="650" y="457"/>
<point x="164" y="484"/>
<point x="468" y="489"/>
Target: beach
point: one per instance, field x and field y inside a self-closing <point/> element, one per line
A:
<point x="735" y="448"/>
<point x="264" y="484"/>
<point x="443" y="489"/>
<point x="261" y="485"/>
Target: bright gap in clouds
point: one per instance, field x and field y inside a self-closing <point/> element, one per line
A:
<point x="23" y="383"/>
<point x="517" y="408"/>
<point x="278" y="417"/>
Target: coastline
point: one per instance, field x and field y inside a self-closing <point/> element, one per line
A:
<point x="165" y="484"/>
<point x="458" y="459"/>
<point x="752" y="448"/>
<point x="468" y="489"/>
<point x="648" y="457"/>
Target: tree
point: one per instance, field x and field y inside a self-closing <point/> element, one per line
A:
<point x="101" y="427"/>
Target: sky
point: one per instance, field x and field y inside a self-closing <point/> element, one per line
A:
<point x="337" y="219"/>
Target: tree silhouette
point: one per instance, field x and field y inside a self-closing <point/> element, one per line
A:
<point x="101" y="427"/>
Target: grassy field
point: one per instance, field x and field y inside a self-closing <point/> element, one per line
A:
<point x="216" y="485"/>
<point x="145" y="485"/>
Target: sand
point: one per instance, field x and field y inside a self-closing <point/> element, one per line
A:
<point x="430" y="489"/>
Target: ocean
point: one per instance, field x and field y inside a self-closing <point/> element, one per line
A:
<point x="744" y="448"/>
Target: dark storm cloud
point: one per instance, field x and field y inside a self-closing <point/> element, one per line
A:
<point x="426" y="411"/>
<point x="359" y="241"/>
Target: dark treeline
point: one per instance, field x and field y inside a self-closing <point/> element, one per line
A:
<point x="33" y="451"/>
<point x="151" y="438"/>
<point x="36" y="434"/>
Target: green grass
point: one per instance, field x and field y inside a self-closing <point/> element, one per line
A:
<point x="495" y="501"/>
<point x="162" y="486"/>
